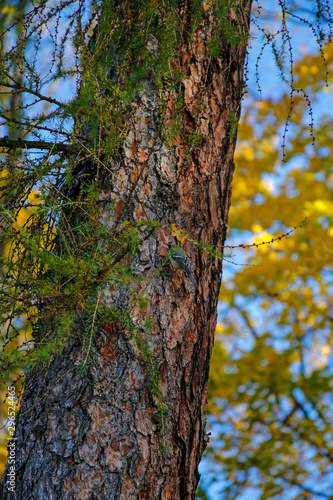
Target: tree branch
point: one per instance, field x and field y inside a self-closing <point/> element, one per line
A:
<point x="5" y="142"/>
<point x="22" y="88"/>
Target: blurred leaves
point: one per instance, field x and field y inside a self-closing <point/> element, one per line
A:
<point x="270" y="391"/>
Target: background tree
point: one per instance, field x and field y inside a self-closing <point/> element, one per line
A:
<point x="115" y="404"/>
<point x="270" y="408"/>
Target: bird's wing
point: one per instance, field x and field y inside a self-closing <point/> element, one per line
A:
<point x="180" y="261"/>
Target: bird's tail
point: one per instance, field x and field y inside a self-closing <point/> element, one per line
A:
<point x="194" y="283"/>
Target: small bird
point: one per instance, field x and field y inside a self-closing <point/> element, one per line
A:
<point x="179" y="260"/>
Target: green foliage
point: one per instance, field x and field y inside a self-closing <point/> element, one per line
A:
<point x="201" y="494"/>
<point x="194" y="140"/>
<point x="174" y="127"/>
<point x="214" y="47"/>
<point x="230" y="25"/>
<point x="55" y="263"/>
<point x="232" y="124"/>
<point x="57" y="255"/>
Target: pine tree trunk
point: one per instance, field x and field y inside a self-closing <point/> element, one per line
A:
<point x="96" y="434"/>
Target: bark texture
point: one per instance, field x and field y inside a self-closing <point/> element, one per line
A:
<point x="94" y="434"/>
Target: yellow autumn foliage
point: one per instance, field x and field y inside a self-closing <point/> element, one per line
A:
<point x="270" y="377"/>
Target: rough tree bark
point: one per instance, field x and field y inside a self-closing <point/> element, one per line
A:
<point x="93" y="434"/>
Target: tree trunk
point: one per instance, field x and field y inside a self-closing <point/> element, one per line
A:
<point x="97" y="433"/>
